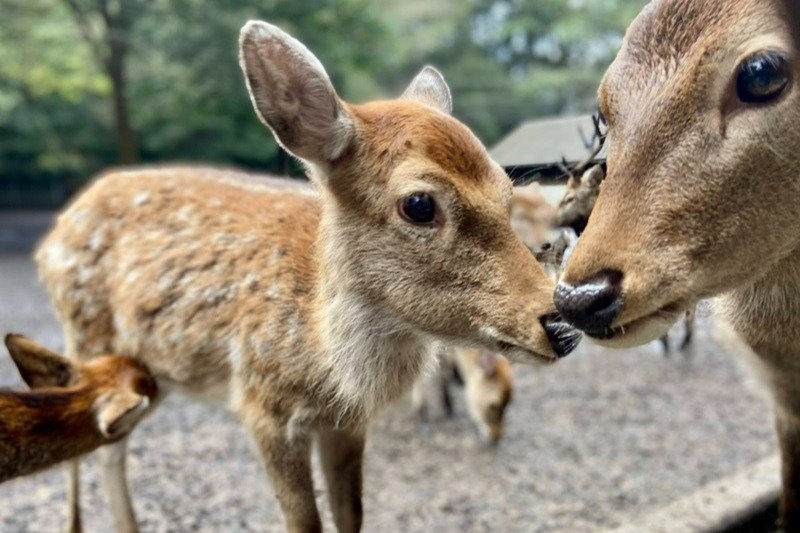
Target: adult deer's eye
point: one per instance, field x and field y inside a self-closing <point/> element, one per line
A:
<point x="418" y="208"/>
<point x="762" y="77"/>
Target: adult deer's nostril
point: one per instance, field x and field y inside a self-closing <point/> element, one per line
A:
<point x="593" y="305"/>
<point x="563" y="337"/>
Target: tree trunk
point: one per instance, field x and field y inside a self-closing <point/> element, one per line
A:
<point x="115" y="67"/>
<point x="126" y="138"/>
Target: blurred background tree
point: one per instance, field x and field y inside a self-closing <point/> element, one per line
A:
<point x="86" y="84"/>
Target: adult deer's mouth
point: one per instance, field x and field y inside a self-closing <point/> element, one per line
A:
<point x="639" y="331"/>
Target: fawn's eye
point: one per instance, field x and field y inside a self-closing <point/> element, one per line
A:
<point x="418" y="208"/>
<point x="762" y="77"/>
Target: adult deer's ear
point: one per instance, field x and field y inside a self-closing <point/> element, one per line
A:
<point x="293" y="95"/>
<point x="38" y="366"/>
<point x="429" y="88"/>
<point x="119" y="411"/>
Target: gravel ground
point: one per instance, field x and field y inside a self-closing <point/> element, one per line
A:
<point x="598" y="439"/>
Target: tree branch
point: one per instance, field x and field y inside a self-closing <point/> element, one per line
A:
<point x="82" y="21"/>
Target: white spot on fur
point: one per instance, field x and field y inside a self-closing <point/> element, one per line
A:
<point x="273" y="291"/>
<point x="251" y="280"/>
<point x="97" y="240"/>
<point x="141" y="199"/>
<point x="57" y="258"/>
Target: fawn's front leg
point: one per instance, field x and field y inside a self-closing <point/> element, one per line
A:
<point x="287" y="458"/>
<point x="788" y="427"/>
<point x="341" y="454"/>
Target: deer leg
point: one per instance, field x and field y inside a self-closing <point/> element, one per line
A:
<point x="287" y="460"/>
<point x="73" y="524"/>
<point x="115" y="484"/>
<point x="341" y="454"/>
<point x="689" y="323"/>
<point x="788" y="427"/>
<point x="665" y="345"/>
<point x="444" y="388"/>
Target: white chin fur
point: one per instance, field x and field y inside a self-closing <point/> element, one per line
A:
<point x="639" y="334"/>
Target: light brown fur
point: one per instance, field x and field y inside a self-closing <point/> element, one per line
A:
<point x="702" y="198"/>
<point x="73" y="409"/>
<point x="305" y="310"/>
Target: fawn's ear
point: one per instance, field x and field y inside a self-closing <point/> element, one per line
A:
<point x="119" y="411"/>
<point x="429" y="88"/>
<point x="38" y="366"/>
<point x="293" y="95"/>
<point x="594" y="177"/>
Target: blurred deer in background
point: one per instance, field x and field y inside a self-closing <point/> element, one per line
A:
<point x="488" y="382"/>
<point x="532" y="219"/>
<point x="702" y="198"/>
<point x="304" y="311"/>
<point x="72" y="410"/>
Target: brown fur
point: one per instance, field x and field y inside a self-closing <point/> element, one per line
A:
<point x="72" y="410"/>
<point x="305" y="310"/>
<point x="702" y="196"/>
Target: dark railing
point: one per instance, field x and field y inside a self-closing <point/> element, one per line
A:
<point x="34" y="194"/>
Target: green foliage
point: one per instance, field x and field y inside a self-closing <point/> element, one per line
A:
<point x="506" y="61"/>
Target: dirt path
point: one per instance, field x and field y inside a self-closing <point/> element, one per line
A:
<point x="599" y="438"/>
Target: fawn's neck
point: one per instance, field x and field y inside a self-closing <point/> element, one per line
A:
<point x="42" y="428"/>
<point x="369" y="357"/>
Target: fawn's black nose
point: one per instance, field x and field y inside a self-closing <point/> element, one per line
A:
<point x="593" y="305"/>
<point x="563" y="337"/>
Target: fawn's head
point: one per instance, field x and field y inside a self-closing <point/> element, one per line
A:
<point x="416" y="214"/>
<point x="121" y="387"/>
<point x="702" y="194"/>
<point x="578" y="202"/>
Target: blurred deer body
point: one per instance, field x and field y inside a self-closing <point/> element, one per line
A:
<point x="488" y="388"/>
<point x="488" y="382"/>
<point x="702" y="195"/>
<point x="309" y="308"/>
<point x="72" y="409"/>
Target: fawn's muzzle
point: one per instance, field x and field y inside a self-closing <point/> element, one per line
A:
<point x="593" y="305"/>
<point x="563" y="337"/>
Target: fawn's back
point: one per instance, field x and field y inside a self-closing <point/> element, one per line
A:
<point x="175" y="265"/>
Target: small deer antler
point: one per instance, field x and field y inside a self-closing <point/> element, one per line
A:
<point x="593" y="143"/>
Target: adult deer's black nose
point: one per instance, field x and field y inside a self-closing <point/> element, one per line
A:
<point x="593" y="305"/>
